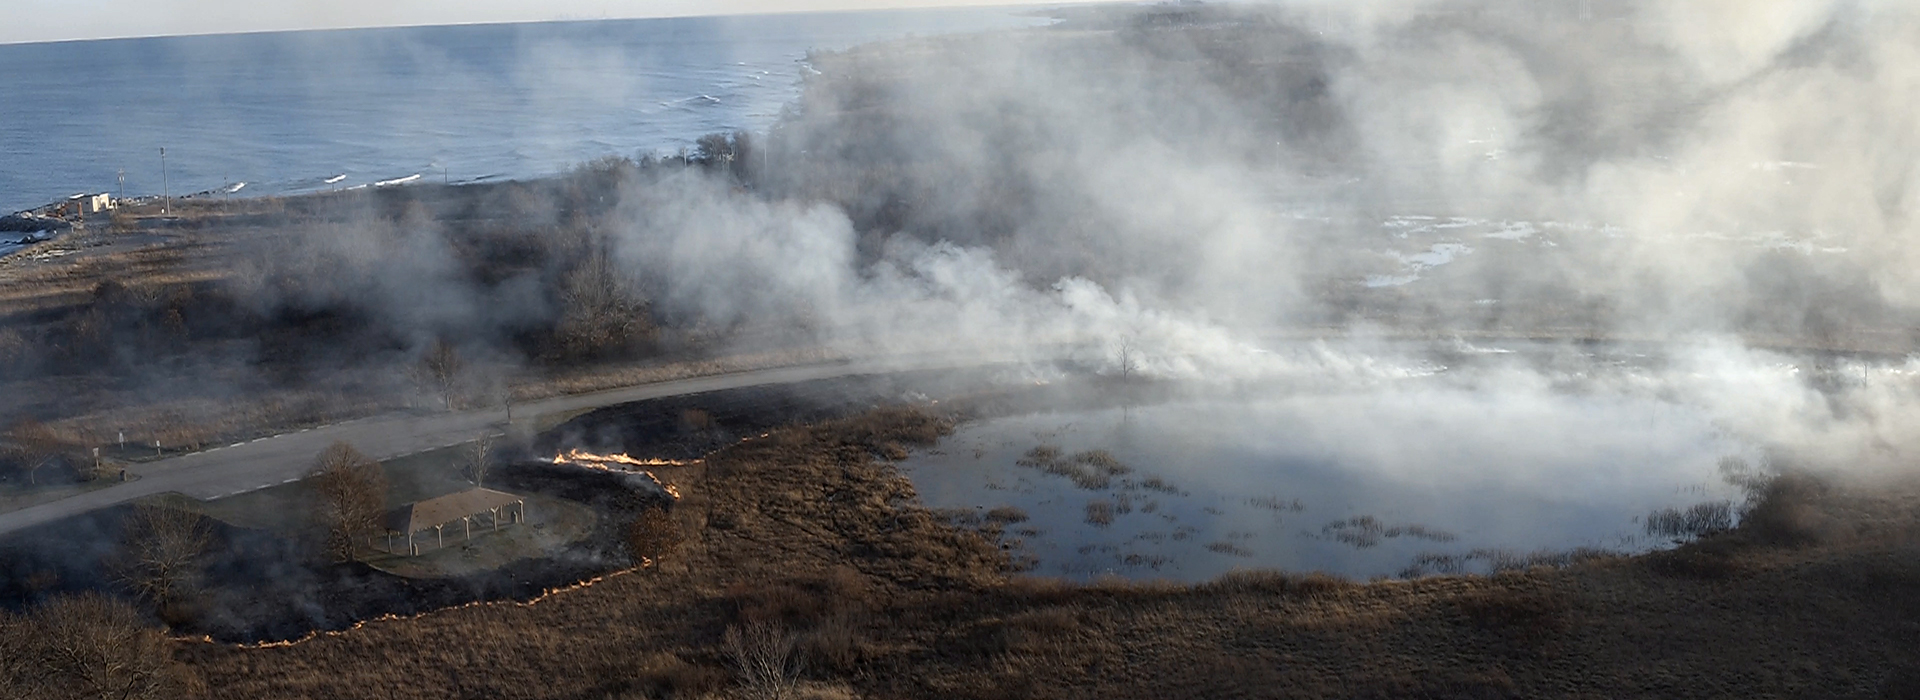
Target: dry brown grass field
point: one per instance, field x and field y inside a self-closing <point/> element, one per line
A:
<point x="809" y="571"/>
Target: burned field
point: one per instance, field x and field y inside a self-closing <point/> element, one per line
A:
<point x="805" y="546"/>
<point x="263" y="584"/>
<point x="267" y="585"/>
<point x="799" y="562"/>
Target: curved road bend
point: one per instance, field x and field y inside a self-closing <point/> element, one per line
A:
<point x="279" y="459"/>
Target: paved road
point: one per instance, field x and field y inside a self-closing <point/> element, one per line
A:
<point x="282" y="458"/>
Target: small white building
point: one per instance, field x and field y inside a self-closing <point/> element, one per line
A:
<point x="85" y="205"/>
<point x="95" y="203"/>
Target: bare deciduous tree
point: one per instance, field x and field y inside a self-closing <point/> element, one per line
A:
<point x="477" y="460"/>
<point x="160" y="552"/>
<point x="352" y="493"/>
<point x="1129" y="358"/>
<point x="441" y="364"/>
<point x="35" y="445"/>
<point x="600" y="315"/>
<point x="88" y="646"/>
<point x="763" y="653"/>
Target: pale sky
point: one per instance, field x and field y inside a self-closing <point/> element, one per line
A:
<point x="60" y="20"/>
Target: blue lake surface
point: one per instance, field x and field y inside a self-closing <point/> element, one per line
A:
<point x="289" y="112"/>
<point x="1429" y="475"/>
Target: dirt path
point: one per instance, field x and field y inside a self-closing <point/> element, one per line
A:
<point x="279" y="459"/>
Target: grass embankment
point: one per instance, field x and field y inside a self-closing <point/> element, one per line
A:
<point x="807" y="545"/>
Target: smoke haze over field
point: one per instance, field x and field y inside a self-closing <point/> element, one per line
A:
<point x="1168" y="190"/>
<point x="1184" y="181"/>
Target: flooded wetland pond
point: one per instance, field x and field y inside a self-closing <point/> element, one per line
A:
<point x="1403" y="480"/>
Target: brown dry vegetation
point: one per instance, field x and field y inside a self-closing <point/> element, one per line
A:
<point x="808" y="548"/>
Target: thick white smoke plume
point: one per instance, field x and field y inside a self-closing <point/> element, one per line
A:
<point x="1171" y="192"/>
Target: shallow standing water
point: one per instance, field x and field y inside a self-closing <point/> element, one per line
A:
<point x="1387" y="481"/>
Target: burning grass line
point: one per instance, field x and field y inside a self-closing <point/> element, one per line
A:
<point x="316" y="634"/>
<point x="623" y="464"/>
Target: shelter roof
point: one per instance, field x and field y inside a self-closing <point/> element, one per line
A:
<point x="433" y="512"/>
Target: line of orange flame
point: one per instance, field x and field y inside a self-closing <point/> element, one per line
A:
<point x="583" y="458"/>
<point x="316" y="634"/>
<point x="623" y="464"/>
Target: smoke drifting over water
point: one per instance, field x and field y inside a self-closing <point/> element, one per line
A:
<point x="1166" y="191"/>
<point x="1174" y="191"/>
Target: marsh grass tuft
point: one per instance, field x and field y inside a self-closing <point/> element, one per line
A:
<point x="1100" y="513"/>
<point x="1093" y="470"/>
<point x="1698" y="520"/>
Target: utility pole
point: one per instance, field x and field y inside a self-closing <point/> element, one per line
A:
<point x="166" y="197"/>
<point x="123" y="183"/>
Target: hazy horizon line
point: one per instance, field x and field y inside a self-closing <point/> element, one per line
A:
<point x="989" y="4"/>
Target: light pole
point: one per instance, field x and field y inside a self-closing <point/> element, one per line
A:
<point x="166" y="197"/>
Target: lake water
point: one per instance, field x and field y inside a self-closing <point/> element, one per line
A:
<point x="1399" y="479"/>
<point x="303" y="111"/>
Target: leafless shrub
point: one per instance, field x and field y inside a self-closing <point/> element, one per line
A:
<point x="88" y="646"/>
<point x="34" y="446"/>
<point x="477" y="459"/>
<point x="1129" y="357"/>
<point x="764" y="660"/>
<point x="600" y="315"/>
<point x="1698" y="520"/>
<point x="160" y="552"/>
<point x="352" y="492"/>
<point x="441" y="365"/>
